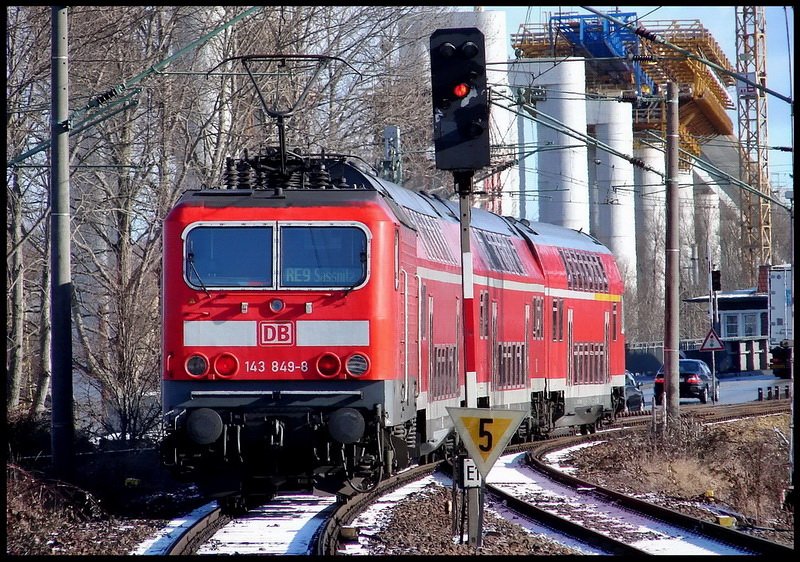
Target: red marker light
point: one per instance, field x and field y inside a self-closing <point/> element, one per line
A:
<point x="461" y="90"/>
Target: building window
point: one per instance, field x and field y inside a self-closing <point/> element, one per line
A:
<point x="750" y="324"/>
<point x="731" y="325"/>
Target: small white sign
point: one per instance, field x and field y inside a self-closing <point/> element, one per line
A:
<point x="712" y="342"/>
<point x="472" y="477"/>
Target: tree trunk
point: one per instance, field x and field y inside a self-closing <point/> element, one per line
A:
<point x="16" y="337"/>
<point x="45" y="336"/>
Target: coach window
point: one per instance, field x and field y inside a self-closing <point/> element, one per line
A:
<point x="614" y="321"/>
<point x="484" y="314"/>
<point x="322" y="256"/>
<point x="423" y="313"/>
<point x="214" y="256"/>
<point x="584" y="267"/>
<point x="591" y="273"/>
<point x="558" y="319"/>
<point x="538" y="318"/>
<point x="396" y="259"/>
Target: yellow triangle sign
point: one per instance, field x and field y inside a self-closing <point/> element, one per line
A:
<point x="485" y="432"/>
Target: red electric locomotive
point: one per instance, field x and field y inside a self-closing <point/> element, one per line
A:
<point x="312" y="327"/>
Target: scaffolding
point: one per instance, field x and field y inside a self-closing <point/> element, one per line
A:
<point x="621" y="63"/>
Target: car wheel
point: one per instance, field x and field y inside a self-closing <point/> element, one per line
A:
<point x="704" y="395"/>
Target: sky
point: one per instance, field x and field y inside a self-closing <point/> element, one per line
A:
<point x="721" y="22"/>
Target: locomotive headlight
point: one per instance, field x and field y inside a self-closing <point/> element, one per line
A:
<point x="276" y="305"/>
<point x="226" y="365"/>
<point x="328" y="365"/>
<point x="357" y="365"/>
<point x="197" y="365"/>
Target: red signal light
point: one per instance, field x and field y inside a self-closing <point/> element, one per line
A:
<point x="461" y="90"/>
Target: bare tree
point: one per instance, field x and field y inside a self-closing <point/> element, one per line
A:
<point x="128" y="168"/>
<point x="128" y="178"/>
<point x="781" y="235"/>
<point x="27" y="74"/>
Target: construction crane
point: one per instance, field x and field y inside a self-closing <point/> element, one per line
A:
<point x="751" y="61"/>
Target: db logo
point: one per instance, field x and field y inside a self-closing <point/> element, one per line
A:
<point x="273" y="333"/>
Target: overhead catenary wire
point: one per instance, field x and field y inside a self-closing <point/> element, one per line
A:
<point x="127" y="88"/>
<point x="715" y="171"/>
<point x="557" y="125"/>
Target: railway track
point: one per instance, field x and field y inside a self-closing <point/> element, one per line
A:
<point x="333" y="529"/>
<point x="616" y="538"/>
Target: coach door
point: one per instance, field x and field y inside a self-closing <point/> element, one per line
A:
<point x="571" y="356"/>
<point x="404" y="332"/>
<point x="494" y="355"/>
<point x="606" y="342"/>
<point x="431" y="350"/>
<point x="526" y="348"/>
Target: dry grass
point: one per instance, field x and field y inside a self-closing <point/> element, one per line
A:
<point x="743" y="464"/>
<point x="48" y="517"/>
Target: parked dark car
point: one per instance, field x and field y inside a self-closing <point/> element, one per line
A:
<point x="634" y="397"/>
<point x="696" y="381"/>
<point x="781" y="360"/>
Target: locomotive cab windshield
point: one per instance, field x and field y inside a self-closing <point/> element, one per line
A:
<point x="283" y="256"/>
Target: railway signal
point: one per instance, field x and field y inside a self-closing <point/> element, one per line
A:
<point x="460" y="99"/>
<point x="716" y="280"/>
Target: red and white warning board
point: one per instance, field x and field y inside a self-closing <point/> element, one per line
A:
<point x="712" y="342"/>
<point x="485" y="432"/>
